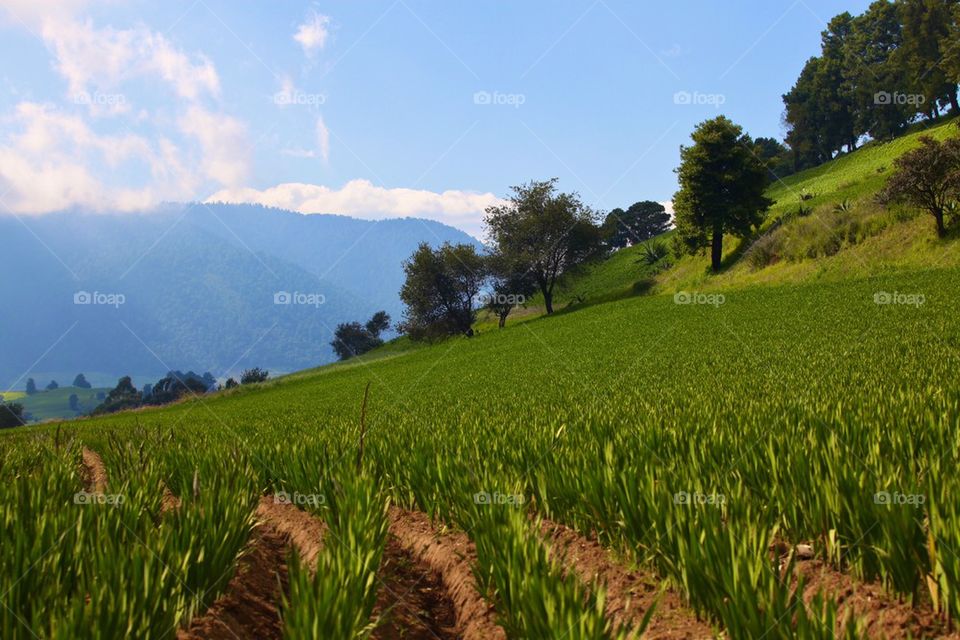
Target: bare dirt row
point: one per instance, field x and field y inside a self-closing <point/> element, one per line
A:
<point x="630" y="593"/>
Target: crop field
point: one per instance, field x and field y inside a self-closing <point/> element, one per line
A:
<point x="771" y="462"/>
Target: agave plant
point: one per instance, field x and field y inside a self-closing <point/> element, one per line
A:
<point x="843" y="207"/>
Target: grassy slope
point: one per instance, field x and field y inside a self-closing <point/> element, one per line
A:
<point x="629" y="340"/>
<point x="904" y="245"/>
<point x="50" y="405"/>
<point x="900" y="239"/>
<point x="903" y="242"/>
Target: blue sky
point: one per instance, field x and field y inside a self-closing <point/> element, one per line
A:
<point x="380" y="108"/>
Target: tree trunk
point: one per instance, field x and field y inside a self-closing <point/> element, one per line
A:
<point x="941" y="228"/>
<point x="547" y="298"/>
<point x="503" y="320"/>
<point x="954" y="107"/>
<point x="716" y="251"/>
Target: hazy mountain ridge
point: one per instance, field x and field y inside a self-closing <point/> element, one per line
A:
<point x="194" y="270"/>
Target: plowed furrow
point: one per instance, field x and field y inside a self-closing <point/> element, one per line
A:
<point x="449" y="556"/>
<point x="629" y="593"/>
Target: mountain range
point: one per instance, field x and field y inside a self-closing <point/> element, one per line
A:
<point x="208" y="287"/>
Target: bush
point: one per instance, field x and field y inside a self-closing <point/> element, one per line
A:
<point x="11" y="415"/>
<point x="764" y="252"/>
<point x="254" y="375"/>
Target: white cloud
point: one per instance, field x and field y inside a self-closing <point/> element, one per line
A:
<point x="45" y="165"/>
<point x="362" y="199"/>
<point x="96" y="61"/>
<point x="223" y="142"/>
<point x="52" y="159"/>
<point x="323" y="139"/>
<point x="312" y="34"/>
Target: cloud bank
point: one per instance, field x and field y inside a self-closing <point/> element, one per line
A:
<point x="363" y="199"/>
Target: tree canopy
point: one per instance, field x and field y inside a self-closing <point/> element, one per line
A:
<point x="352" y="338"/>
<point x="640" y="222"/>
<point x="721" y="188"/>
<point x="876" y="73"/>
<point x="546" y="232"/>
<point x="440" y="289"/>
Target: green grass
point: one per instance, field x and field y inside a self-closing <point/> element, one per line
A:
<point x="688" y="437"/>
<point x="865" y="240"/>
<point x="11" y="396"/>
<point x="796" y="404"/>
<point x="55" y="404"/>
<point x="852" y="176"/>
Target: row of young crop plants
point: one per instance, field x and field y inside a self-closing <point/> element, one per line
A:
<point x="84" y="564"/>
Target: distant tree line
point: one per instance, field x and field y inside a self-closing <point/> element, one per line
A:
<point x="534" y="239"/>
<point x="877" y="72"/>
<point x="172" y="387"/>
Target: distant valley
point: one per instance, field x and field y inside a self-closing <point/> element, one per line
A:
<point x="213" y="287"/>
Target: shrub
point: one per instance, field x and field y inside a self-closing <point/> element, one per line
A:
<point x="653" y="250"/>
<point x="254" y="375"/>
<point x="764" y="252"/>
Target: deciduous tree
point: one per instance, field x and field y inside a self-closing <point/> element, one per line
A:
<point x="546" y="232"/>
<point x="440" y="289"/>
<point x="927" y="177"/>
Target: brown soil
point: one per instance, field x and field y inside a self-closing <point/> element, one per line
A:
<point x="248" y="609"/>
<point x="880" y="613"/>
<point x="304" y="531"/>
<point x="450" y="557"/>
<point x="93" y="471"/>
<point x="411" y="602"/>
<point x="629" y="593"/>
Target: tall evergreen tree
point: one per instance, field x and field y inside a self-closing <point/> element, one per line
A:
<point x="926" y="30"/>
<point x="721" y="188"/>
<point x="873" y="71"/>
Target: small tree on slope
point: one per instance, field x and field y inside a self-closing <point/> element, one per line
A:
<point x="927" y="177"/>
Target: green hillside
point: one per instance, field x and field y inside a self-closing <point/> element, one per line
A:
<point x="861" y="240"/>
<point x="54" y="404"/>
<point x="600" y="419"/>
